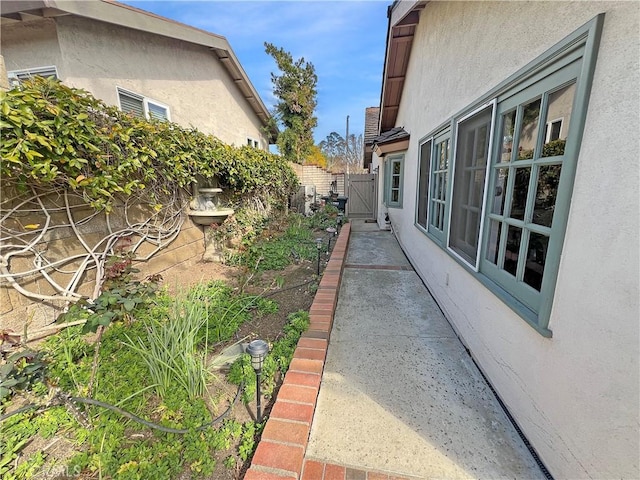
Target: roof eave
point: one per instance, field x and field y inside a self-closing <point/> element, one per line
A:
<point x="403" y="19"/>
<point x="116" y="13"/>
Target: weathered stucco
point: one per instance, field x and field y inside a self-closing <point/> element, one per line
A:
<point x="99" y="57"/>
<point x="575" y="395"/>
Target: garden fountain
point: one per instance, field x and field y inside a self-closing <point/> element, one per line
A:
<point x="205" y="210"/>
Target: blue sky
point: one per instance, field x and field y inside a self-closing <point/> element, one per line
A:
<point x="344" y="40"/>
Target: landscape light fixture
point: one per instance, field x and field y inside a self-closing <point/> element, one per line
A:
<point x="319" y="247"/>
<point x="332" y="233"/>
<point x="258" y="349"/>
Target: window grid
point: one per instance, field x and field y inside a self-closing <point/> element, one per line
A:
<point x="538" y="178"/>
<point x="439" y="173"/>
<point x="393" y="182"/>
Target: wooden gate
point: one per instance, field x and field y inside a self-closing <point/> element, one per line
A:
<point x="362" y="192"/>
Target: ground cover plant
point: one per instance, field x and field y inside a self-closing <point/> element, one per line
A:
<point x="150" y="360"/>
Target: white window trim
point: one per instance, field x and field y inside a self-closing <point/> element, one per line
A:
<point x="145" y="102"/>
<point x="547" y="133"/>
<point x="14" y="76"/>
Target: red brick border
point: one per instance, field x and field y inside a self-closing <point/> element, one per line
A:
<point x="280" y="453"/>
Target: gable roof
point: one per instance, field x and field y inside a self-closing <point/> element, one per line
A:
<point x="403" y="19"/>
<point x="110" y="11"/>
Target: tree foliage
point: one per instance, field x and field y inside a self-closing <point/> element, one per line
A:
<point x="316" y="157"/>
<point x="57" y="137"/>
<point x="341" y="154"/>
<point x="296" y="91"/>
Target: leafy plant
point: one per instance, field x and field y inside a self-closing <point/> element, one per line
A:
<point x="61" y="137"/>
<point x="21" y="371"/>
<point x="285" y="240"/>
<point x="171" y="347"/>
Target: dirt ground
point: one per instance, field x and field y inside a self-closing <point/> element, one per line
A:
<point x="292" y="289"/>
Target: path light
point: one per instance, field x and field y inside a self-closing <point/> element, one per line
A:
<point x="319" y="247"/>
<point x="258" y="349"/>
<point x="332" y="233"/>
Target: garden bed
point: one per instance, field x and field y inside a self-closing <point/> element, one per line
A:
<point x="89" y="441"/>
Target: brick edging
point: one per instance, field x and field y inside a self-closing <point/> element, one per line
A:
<point x="280" y="453"/>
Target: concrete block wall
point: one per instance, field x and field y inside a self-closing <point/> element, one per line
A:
<point x="18" y="310"/>
<point x="320" y="177"/>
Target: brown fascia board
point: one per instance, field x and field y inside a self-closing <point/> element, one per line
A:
<point x="382" y="149"/>
<point x="110" y="11"/>
<point x="400" y="14"/>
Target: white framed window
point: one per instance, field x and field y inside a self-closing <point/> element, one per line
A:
<point x="142" y="106"/>
<point x="554" y="130"/>
<point x="252" y="142"/>
<point x="17" y="76"/>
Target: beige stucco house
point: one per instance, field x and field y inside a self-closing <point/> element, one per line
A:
<point x="138" y="61"/>
<point x="514" y="192"/>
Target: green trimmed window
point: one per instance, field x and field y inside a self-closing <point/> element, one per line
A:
<point x="394" y="177"/>
<point x="507" y="181"/>
<point x="432" y="209"/>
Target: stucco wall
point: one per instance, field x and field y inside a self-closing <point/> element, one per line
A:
<point x="575" y="395"/>
<point x="31" y="45"/>
<point x="99" y="57"/>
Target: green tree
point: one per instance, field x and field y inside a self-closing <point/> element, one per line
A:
<point x="316" y="157"/>
<point x="340" y="153"/>
<point x="296" y="91"/>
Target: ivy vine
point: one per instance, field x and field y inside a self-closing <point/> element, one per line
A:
<point x="62" y="137"/>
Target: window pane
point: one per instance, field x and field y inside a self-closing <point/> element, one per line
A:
<point x="536" y="257"/>
<point x="468" y="187"/>
<point x="514" y="236"/>
<point x="132" y="105"/>
<point x="520" y="191"/>
<point x="529" y="130"/>
<point x="423" y="187"/>
<point x="443" y="154"/>
<point x="435" y="218"/>
<point x="546" y="193"/>
<point x="441" y="219"/>
<point x="157" y="112"/>
<point x="493" y="245"/>
<point x="396" y="168"/>
<point x="500" y="190"/>
<point x="558" y="118"/>
<point x="395" y="195"/>
<point x="395" y="181"/>
<point x="443" y="186"/>
<point x="508" y="125"/>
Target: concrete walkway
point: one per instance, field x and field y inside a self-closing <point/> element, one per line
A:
<point x="399" y="396"/>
